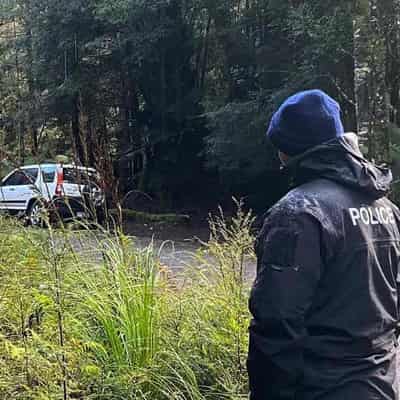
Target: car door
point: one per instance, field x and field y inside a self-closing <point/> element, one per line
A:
<point x="47" y="181"/>
<point x="7" y="190"/>
<point x="18" y="188"/>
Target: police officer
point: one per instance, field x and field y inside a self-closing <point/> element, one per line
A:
<point x="325" y="300"/>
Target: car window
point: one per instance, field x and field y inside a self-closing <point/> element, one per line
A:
<point x="48" y="174"/>
<point x="32" y="174"/>
<point x="13" y="179"/>
<point x="75" y="175"/>
<point x="26" y="176"/>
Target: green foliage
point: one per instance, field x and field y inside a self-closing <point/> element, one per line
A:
<point x="238" y="143"/>
<point x="193" y="83"/>
<point x="107" y="321"/>
<point x="297" y="46"/>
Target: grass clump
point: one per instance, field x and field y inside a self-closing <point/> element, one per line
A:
<point x="87" y="315"/>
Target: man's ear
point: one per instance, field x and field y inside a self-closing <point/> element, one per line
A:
<point x="283" y="157"/>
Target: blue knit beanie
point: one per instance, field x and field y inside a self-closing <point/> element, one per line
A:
<point x="305" y="120"/>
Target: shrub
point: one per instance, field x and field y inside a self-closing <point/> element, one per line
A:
<point x="88" y="315"/>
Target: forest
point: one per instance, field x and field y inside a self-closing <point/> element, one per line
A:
<point x="170" y="99"/>
<point x="173" y="97"/>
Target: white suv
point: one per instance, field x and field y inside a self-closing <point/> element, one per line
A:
<point x="61" y="190"/>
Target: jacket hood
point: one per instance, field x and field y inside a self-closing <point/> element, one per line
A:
<point x="341" y="160"/>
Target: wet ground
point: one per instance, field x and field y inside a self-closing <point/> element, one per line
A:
<point x="182" y="232"/>
<point x="175" y="246"/>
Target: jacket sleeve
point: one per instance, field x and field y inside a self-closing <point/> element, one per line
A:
<point x="288" y="271"/>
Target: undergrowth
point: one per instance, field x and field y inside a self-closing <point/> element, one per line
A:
<point x="87" y="315"/>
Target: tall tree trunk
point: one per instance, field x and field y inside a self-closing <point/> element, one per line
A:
<point x="347" y="74"/>
<point x="388" y="13"/>
<point x="32" y="109"/>
<point x="205" y="55"/>
<point x="76" y="136"/>
<point x="163" y="85"/>
<point x="129" y="111"/>
<point x="20" y="117"/>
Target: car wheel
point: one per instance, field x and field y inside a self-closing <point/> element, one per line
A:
<point x="37" y="214"/>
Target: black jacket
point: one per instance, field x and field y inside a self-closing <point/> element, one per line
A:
<point x="324" y="302"/>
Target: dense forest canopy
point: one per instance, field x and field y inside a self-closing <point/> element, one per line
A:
<point x="172" y="97"/>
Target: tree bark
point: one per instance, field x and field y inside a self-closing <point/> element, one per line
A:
<point x="205" y="55"/>
<point x="76" y="136"/>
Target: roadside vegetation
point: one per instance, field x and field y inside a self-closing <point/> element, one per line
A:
<point x="88" y="316"/>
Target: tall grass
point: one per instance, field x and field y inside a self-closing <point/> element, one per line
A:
<point x="120" y="306"/>
<point x="87" y="315"/>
